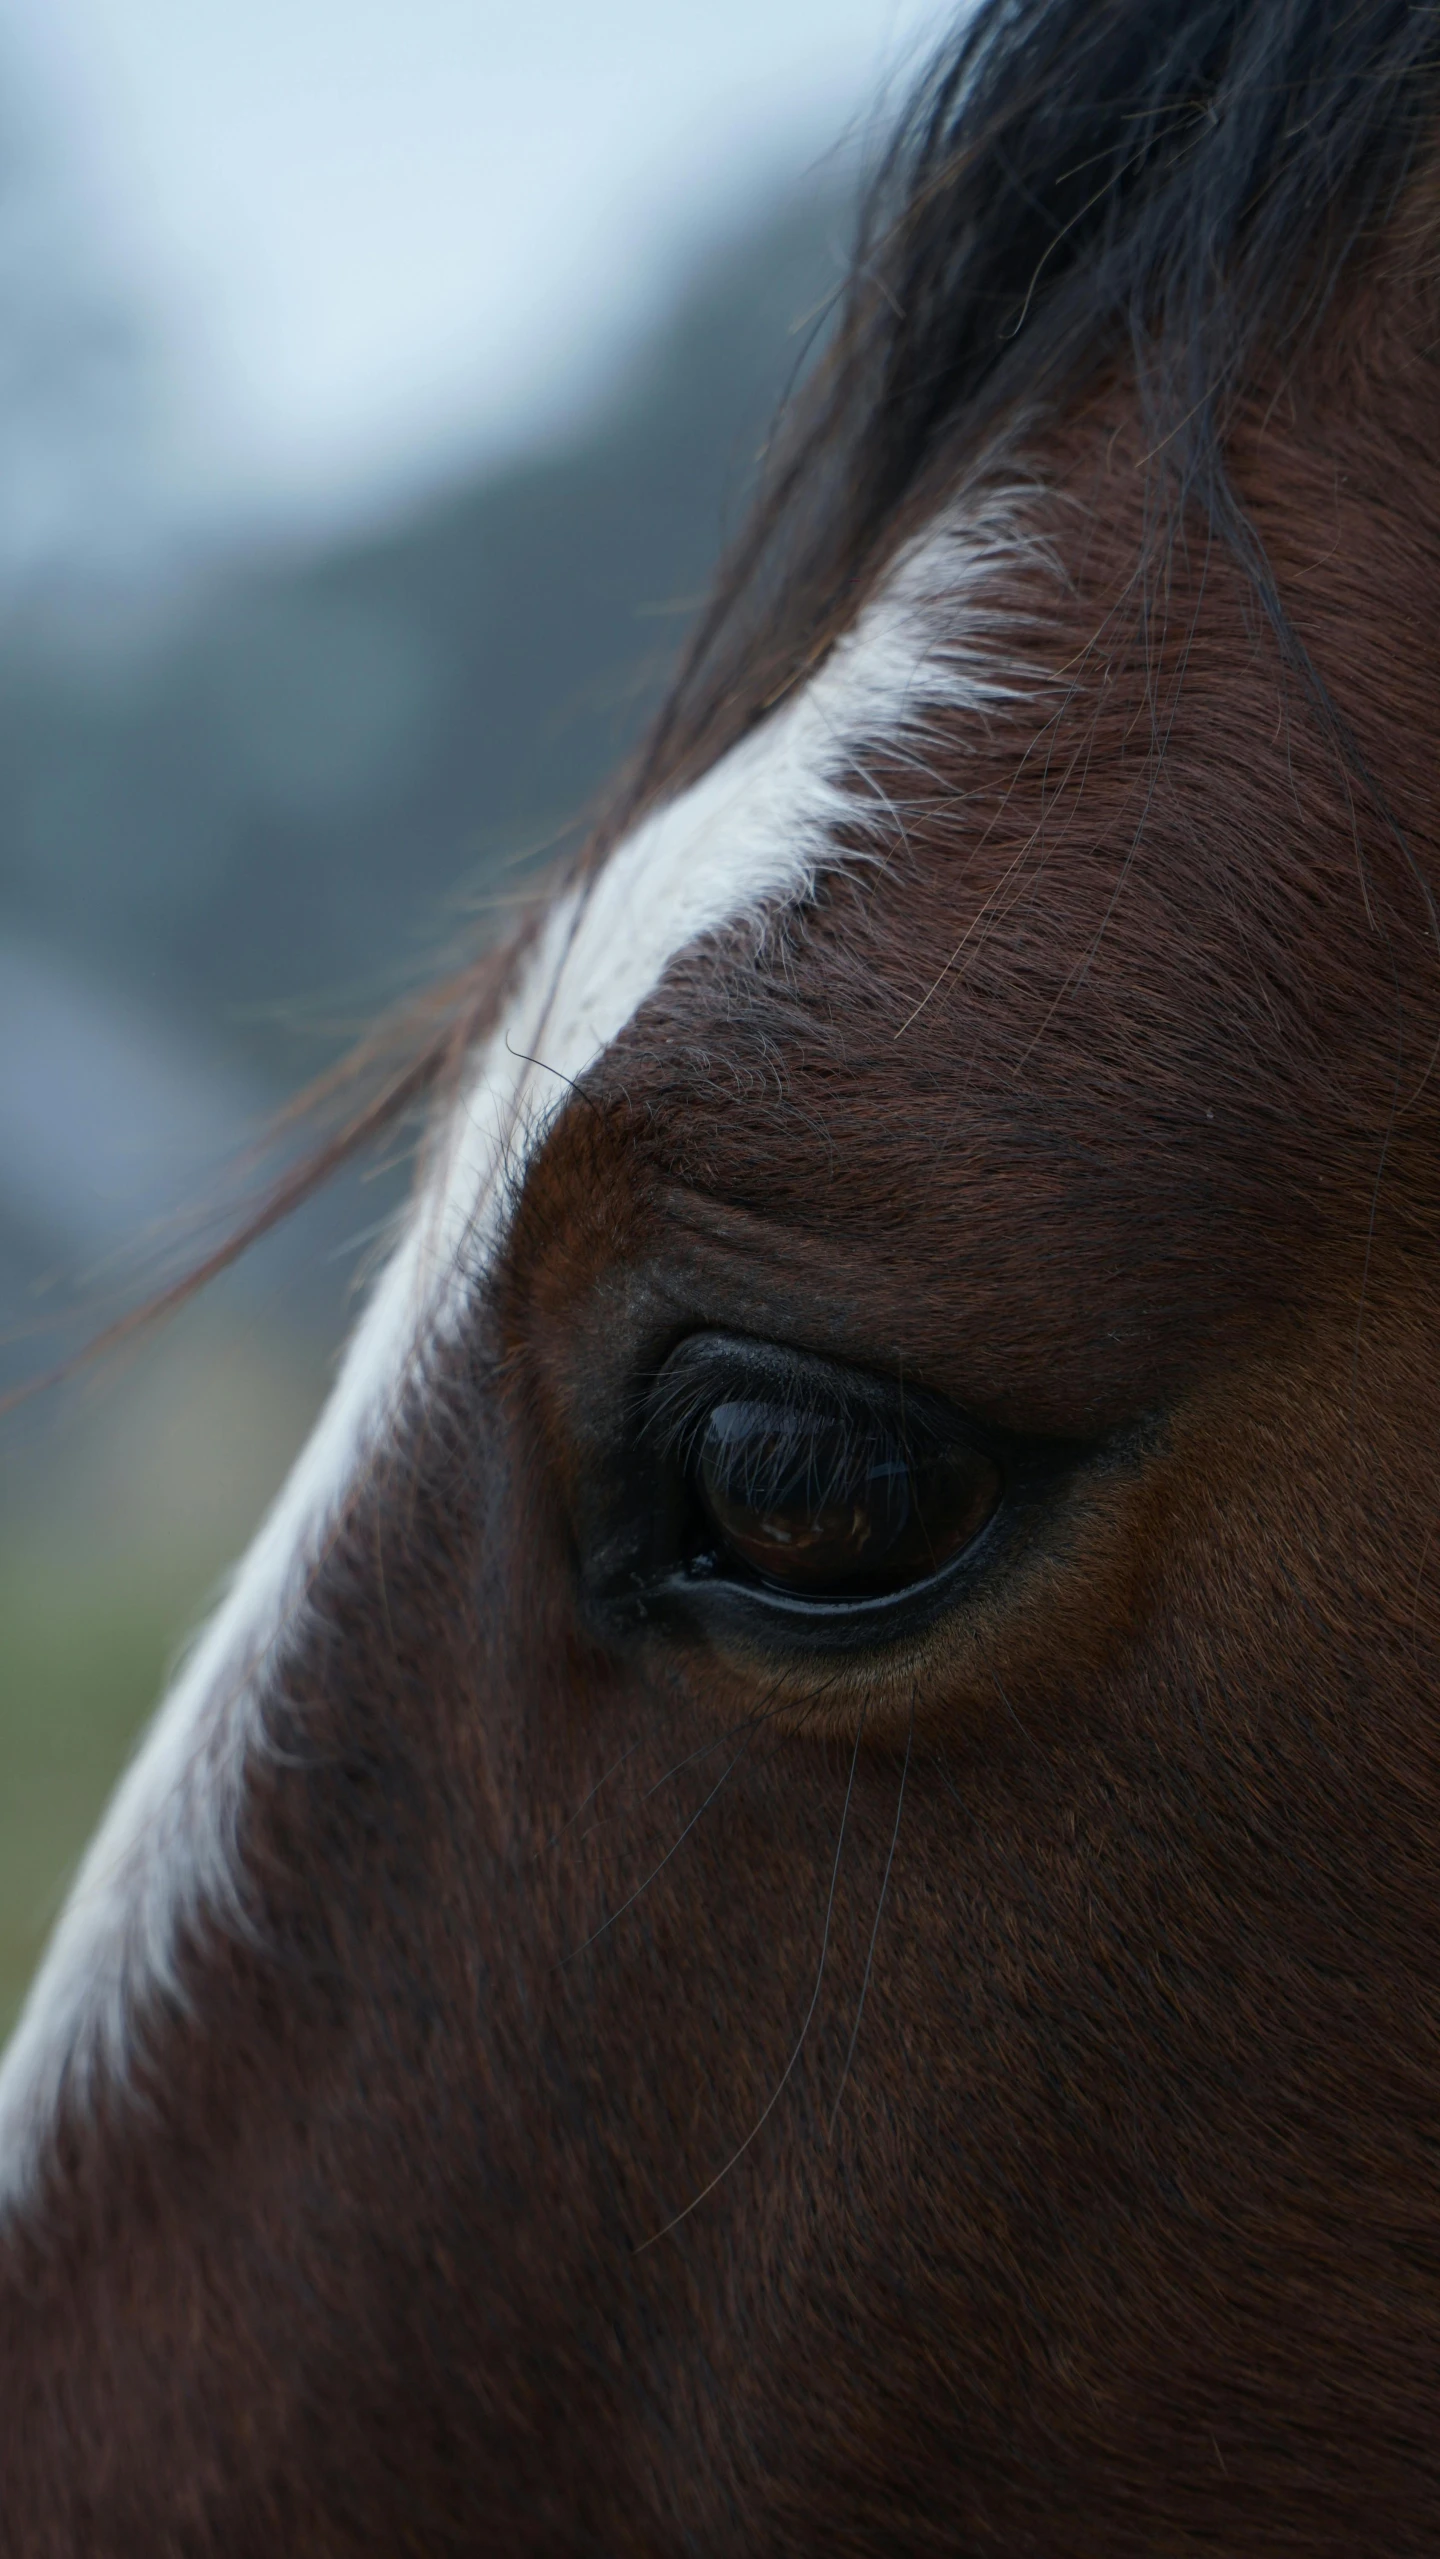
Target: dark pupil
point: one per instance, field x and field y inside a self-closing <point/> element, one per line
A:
<point x="821" y="1503"/>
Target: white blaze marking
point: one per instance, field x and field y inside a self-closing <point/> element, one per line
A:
<point x="749" y="837"/>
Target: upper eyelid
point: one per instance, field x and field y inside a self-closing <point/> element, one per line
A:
<point x="675" y="1402"/>
<point x="677" y="1437"/>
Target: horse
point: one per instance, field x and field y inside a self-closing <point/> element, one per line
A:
<point x="792" y="1906"/>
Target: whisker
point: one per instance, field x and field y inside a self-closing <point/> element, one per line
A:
<point x="632" y="1898"/>
<point x="750" y="1727"/>
<point x="875" y="1931"/>
<point x="586" y="1800"/>
<point x="761" y="2120"/>
<point x="704" y="1752"/>
<point x="677" y="1770"/>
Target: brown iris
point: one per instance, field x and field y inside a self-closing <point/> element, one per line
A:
<point x="833" y="1505"/>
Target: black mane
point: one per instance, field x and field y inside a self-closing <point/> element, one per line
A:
<point x="1185" y="178"/>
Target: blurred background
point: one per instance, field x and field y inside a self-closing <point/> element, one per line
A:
<point x="378" y="379"/>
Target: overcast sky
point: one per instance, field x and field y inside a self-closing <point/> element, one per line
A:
<point x="372" y="237"/>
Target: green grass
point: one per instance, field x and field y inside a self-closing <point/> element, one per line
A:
<point x="117" y="1515"/>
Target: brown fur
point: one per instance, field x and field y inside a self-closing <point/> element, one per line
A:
<point x="1111" y="1111"/>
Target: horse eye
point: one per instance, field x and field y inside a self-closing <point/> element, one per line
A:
<point x="826" y="1505"/>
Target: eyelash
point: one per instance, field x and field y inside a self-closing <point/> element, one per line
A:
<point x="830" y="1503"/>
<point x="656" y="1550"/>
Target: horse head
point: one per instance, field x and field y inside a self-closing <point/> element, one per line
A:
<point x="792" y="1906"/>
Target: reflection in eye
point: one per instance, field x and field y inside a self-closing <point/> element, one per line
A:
<point x="833" y="1505"/>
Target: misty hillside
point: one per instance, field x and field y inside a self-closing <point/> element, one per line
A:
<point x="282" y="800"/>
<point x="270" y="808"/>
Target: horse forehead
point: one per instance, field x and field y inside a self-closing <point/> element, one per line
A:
<point x="1037" y="1023"/>
<point x="800" y="797"/>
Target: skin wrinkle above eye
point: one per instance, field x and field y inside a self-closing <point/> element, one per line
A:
<point x="592" y="1307"/>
